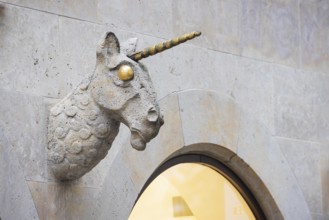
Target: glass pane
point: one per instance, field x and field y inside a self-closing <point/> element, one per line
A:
<point x="191" y="191"/>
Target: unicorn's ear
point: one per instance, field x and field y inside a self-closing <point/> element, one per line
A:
<point x="111" y="43"/>
<point x="129" y="46"/>
<point x="108" y="46"/>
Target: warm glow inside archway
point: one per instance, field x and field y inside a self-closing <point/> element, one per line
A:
<point x="191" y="191"/>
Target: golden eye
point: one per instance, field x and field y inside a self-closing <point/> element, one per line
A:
<point x="125" y="72"/>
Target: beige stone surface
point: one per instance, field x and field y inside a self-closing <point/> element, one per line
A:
<point x="219" y="22"/>
<point x="34" y="35"/>
<point x="49" y="199"/>
<point x="314" y="20"/>
<point x="270" y="31"/>
<point x="300" y="104"/>
<point x="324" y="172"/>
<point x="303" y="159"/>
<point x="16" y="201"/>
<point x="209" y="118"/>
<point x="263" y="155"/>
<point x="78" y="40"/>
<point x="140" y="13"/>
<point x="81" y="203"/>
<point x="85" y="10"/>
<point x="253" y="90"/>
<point x="24" y="119"/>
<point x="118" y="194"/>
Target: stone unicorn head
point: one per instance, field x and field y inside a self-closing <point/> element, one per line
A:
<point x="84" y="124"/>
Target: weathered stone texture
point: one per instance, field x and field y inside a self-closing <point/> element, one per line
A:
<point x="82" y="9"/>
<point x="303" y="158"/>
<point x="117" y="197"/>
<point x="213" y="115"/>
<point x="219" y="22"/>
<point x="34" y="36"/>
<point x="257" y="149"/>
<point x="24" y="121"/>
<point x="15" y="198"/>
<point x="49" y="199"/>
<point x="324" y="172"/>
<point x="314" y="21"/>
<point x="270" y="31"/>
<point x="301" y="103"/>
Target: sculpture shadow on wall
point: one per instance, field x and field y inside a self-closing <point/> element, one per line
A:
<point x="2" y="11"/>
<point x="2" y="14"/>
<point x="2" y="18"/>
<point x="83" y="125"/>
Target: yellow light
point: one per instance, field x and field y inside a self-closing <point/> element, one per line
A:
<point x="191" y="191"/>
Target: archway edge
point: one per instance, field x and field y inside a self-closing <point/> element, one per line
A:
<point x="241" y="169"/>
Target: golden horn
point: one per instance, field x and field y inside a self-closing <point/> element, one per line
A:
<point x="163" y="46"/>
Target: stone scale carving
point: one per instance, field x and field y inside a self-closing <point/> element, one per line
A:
<point x="84" y="124"/>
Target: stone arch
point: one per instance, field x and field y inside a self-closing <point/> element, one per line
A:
<point x="208" y="123"/>
<point x="233" y="162"/>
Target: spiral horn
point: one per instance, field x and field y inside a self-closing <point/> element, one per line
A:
<point x="150" y="51"/>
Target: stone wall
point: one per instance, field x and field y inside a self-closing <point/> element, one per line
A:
<point x="257" y="78"/>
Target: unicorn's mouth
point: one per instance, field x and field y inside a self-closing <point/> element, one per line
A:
<point x="137" y="141"/>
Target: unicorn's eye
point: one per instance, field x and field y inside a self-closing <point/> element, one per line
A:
<point x="125" y="73"/>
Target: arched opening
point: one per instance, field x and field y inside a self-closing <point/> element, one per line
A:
<point x="195" y="187"/>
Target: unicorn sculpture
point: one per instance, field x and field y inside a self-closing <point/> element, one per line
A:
<point x="84" y="124"/>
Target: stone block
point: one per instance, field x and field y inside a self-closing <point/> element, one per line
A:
<point x="324" y="171"/>
<point x="85" y="10"/>
<point x="318" y="216"/>
<point x="303" y="159"/>
<point x="117" y="196"/>
<point x="16" y="201"/>
<point x="300" y="104"/>
<point x="49" y="199"/>
<point x="314" y="20"/>
<point x="29" y="44"/>
<point x="24" y="118"/>
<point x="81" y="203"/>
<point x="209" y="118"/>
<point x="64" y="200"/>
<point x="77" y="52"/>
<point x="270" y="31"/>
<point x="253" y="90"/>
<point x="217" y="20"/>
<point x="263" y="155"/>
<point x="115" y="13"/>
